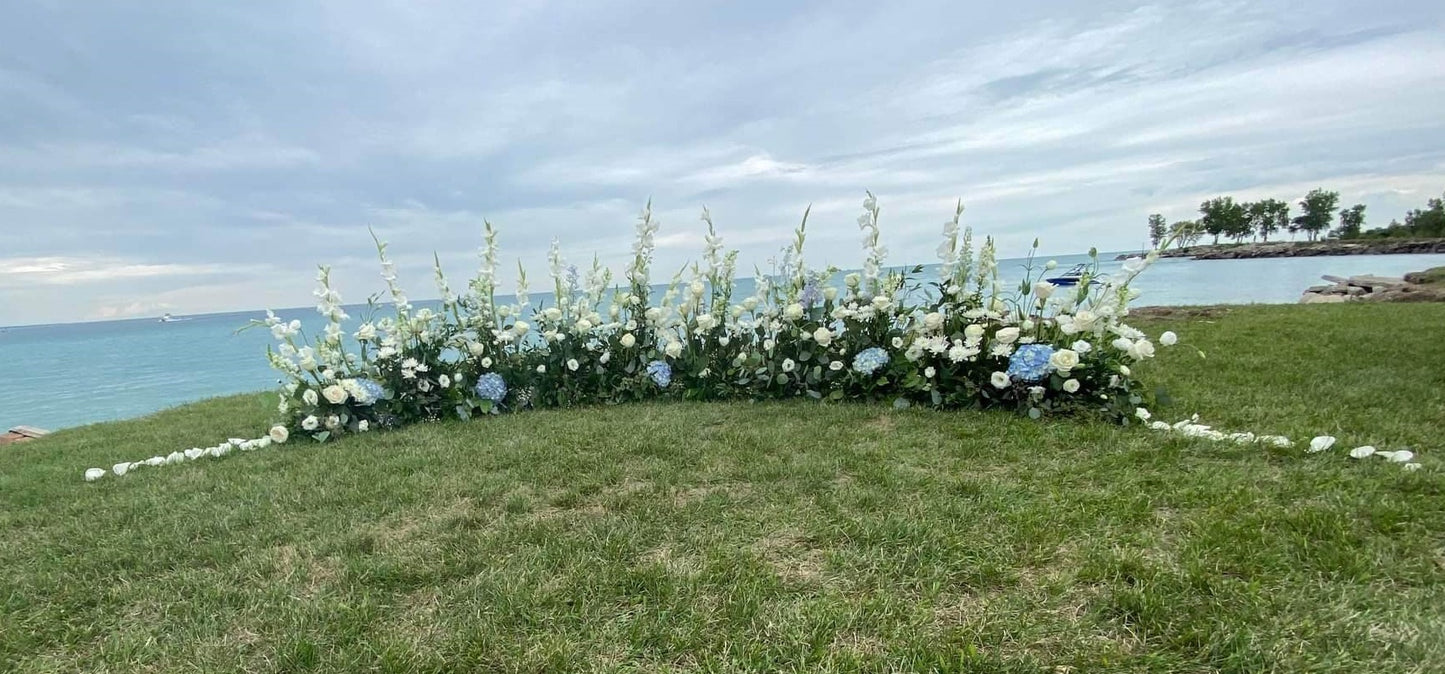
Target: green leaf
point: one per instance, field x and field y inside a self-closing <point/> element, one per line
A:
<point x="1035" y="413"/>
<point x="901" y="403"/>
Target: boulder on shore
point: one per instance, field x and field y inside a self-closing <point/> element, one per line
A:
<point x="1425" y="286"/>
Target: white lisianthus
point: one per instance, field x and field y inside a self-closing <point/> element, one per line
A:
<point x="1082" y="346"/>
<point x="1168" y="338"/>
<point x="1142" y="413"/>
<point x="1321" y="443"/>
<point x="93" y="474"/>
<point x="1071" y="386"/>
<point x="789" y="365"/>
<point x="835" y="365"/>
<point x="1064" y="360"/>
<point x="363" y="426"/>
<point x="1084" y="320"/>
<point x="334" y="394"/>
<point x="444" y="381"/>
<point x="541" y="369"/>
<point x="999" y="379"/>
<point x="793" y="312"/>
<point x="1124" y="370"/>
<point x="1043" y="289"/>
<point x="552" y="314"/>
<point x="973" y="333"/>
<point x="823" y="337"/>
<point x="768" y="344"/>
<point x="628" y="340"/>
<point x="572" y="364"/>
<point x="310" y="423"/>
<point x="486" y="362"/>
<point x="309" y="397"/>
<point x="897" y="342"/>
<point x="279" y="434"/>
<point x="929" y="371"/>
<point x="1007" y="335"/>
<point x="830" y="293"/>
<point x="1142" y="349"/>
<point x="521" y="328"/>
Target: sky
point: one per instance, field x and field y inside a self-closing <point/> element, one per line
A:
<point x="188" y="157"/>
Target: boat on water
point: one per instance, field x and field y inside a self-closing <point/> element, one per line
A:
<point x="167" y="318"/>
<point x="1071" y="277"/>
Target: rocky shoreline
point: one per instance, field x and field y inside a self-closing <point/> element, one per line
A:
<point x="1424" y="286"/>
<point x="1305" y="249"/>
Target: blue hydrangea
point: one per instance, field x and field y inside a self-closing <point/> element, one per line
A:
<point x="1030" y="362"/>
<point x="491" y="386"/>
<point x="660" y="372"/>
<point x="870" y="360"/>
<point x="810" y="295"/>
<point x="364" y="391"/>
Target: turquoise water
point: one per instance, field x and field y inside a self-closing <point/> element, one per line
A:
<point x="57" y="376"/>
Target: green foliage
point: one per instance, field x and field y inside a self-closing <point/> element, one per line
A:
<point x="1352" y="221"/>
<point x="1319" y="211"/>
<point x="1158" y="229"/>
<point x="1222" y="216"/>
<point x="1419" y="223"/>
<point x="1267" y="216"/>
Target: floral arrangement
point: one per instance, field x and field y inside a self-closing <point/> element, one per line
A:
<point x="958" y="340"/>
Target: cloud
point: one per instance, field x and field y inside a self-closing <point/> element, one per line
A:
<point x="291" y="130"/>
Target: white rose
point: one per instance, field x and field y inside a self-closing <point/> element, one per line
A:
<point x="310" y="423"/>
<point x="335" y="394"/>
<point x="584" y="325"/>
<point x="444" y="381"/>
<point x="553" y="314"/>
<point x="933" y="320"/>
<point x="279" y="434"/>
<point x="521" y="327"/>
<point x="830" y="293"/>
<point x="929" y="372"/>
<point x="363" y="425"/>
<point x="1169" y="338"/>
<point x="1064" y="360"/>
<point x="1071" y="386"/>
<point x="310" y="397"/>
<point x="973" y="332"/>
<point x="999" y="379"/>
<point x="1082" y="346"/>
<point x="1043" y="289"/>
<point x="673" y="349"/>
<point x="541" y="369"/>
<point x="793" y="312"/>
<point x="823" y="337"/>
<point x="1007" y="335"/>
<point x="1142" y="349"/>
<point x="628" y="340"/>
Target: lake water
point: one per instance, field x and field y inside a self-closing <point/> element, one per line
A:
<point x="57" y="376"/>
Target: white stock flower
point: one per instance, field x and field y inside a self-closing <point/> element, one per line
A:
<point x="1071" y="386"/>
<point x="334" y="394"/>
<point x="1362" y="452"/>
<point x="1321" y="443"/>
<point x="279" y="434"/>
<point x="93" y="474"/>
<point x="999" y="379"/>
<point x="310" y="397"/>
<point x="1168" y="338"/>
<point x="310" y="423"/>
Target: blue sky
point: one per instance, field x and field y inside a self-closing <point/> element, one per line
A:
<point x="187" y="157"/>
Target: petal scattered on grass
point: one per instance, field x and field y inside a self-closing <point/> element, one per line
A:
<point x="1362" y="452"/>
<point x="1321" y="443"/>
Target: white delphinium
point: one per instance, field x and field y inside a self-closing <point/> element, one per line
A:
<point x="876" y="252"/>
<point x="388" y="274"/>
<point x="638" y="271"/>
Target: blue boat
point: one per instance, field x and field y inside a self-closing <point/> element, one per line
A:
<point x="1071" y="277"/>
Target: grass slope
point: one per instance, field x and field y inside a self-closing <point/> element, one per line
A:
<point x="771" y="537"/>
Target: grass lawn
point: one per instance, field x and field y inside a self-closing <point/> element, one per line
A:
<point x="771" y="537"/>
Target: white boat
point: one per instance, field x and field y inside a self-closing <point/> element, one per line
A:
<point x="167" y="318"/>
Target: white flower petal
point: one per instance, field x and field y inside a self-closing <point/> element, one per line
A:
<point x="1399" y="456"/>
<point x="120" y="468"/>
<point x="1412" y="466"/>
<point x="1321" y="443"/>
<point x="194" y="453"/>
<point x="93" y="474"/>
<point x="1362" y="452"/>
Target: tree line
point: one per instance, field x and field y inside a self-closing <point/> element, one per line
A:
<point x="1257" y="220"/>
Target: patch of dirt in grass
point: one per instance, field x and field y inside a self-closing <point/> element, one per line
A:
<point x="787" y="552"/>
<point x="1179" y="312"/>
<point x="882" y="423"/>
<point x="669" y="559"/>
<point x="318" y="571"/>
<point x="866" y="645"/>
<point x="693" y="494"/>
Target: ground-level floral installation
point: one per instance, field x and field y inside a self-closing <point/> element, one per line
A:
<point x="959" y="340"/>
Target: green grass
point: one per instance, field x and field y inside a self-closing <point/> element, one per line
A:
<point x="792" y="537"/>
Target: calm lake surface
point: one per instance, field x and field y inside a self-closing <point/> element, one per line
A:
<point x="57" y="376"/>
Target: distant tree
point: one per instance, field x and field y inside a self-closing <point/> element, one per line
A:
<point x="1352" y="221"/>
<point x="1222" y="216"/>
<point x="1319" y="211"/>
<point x="1179" y="232"/>
<point x="1157" y="229"/>
<point x="1268" y="216"/>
